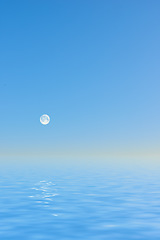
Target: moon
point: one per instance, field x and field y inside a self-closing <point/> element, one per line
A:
<point x="44" y="119"/>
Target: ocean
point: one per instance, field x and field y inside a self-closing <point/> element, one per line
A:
<point x="80" y="203"/>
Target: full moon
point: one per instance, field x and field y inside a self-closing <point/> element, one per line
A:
<point x="44" y="119"/>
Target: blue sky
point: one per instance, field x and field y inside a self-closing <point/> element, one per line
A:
<point x="93" y="66"/>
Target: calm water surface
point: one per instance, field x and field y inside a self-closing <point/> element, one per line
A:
<point x="92" y="204"/>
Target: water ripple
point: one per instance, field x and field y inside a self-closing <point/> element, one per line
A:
<point x="90" y="206"/>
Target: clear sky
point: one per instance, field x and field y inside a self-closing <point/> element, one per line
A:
<point x="92" y="65"/>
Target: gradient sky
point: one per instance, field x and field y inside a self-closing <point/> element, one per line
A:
<point x="93" y="66"/>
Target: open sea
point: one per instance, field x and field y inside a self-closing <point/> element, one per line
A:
<point x="93" y="203"/>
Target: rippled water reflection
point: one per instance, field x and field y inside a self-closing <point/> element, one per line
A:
<point x="91" y="204"/>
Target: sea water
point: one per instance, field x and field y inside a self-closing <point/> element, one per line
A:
<point x="79" y="203"/>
